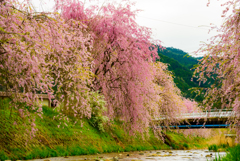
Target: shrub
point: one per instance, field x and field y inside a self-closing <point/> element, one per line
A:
<point x="186" y="145"/>
<point x="62" y="151"/>
<point x="174" y="146"/>
<point x="232" y="155"/>
<point x="3" y="156"/>
<point x="224" y="146"/>
<point x="97" y="104"/>
<point x="213" y="147"/>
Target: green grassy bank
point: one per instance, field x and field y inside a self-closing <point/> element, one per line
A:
<point x="79" y="139"/>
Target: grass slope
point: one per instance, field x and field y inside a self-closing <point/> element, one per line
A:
<point x="79" y="139"/>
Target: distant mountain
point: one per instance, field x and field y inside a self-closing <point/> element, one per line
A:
<point x="180" y="63"/>
<point x="198" y="58"/>
<point x="181" y="56"/>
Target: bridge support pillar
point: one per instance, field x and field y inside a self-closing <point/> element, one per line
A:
<point x="232" y="136"/>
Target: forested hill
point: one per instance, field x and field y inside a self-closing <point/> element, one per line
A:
<point x="181" y="56"/>
<point x="180" y="63"/>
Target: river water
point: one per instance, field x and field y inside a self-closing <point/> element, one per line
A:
<point x="162" y="155"/>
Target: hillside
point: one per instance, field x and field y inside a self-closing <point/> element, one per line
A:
<point x="180" y="64"/>
<point x="182" y="57"/>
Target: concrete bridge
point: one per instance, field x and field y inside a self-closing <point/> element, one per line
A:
<point x="206" y="119"/>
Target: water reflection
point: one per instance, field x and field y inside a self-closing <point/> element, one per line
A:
<point x="162" y="155"/>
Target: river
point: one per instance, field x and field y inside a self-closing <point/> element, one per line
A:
<point x="162" y="155"/>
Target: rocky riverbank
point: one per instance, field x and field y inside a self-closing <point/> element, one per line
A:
<point x="163" y="155"/>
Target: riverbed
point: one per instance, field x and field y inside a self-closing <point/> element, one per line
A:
<point x="162" y="155"/>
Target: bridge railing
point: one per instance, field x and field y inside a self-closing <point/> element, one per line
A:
<point x="208" y="114"/>
<point x="205" y="114"/>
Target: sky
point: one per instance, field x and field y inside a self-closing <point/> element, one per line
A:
<point x="182" y="24"/>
